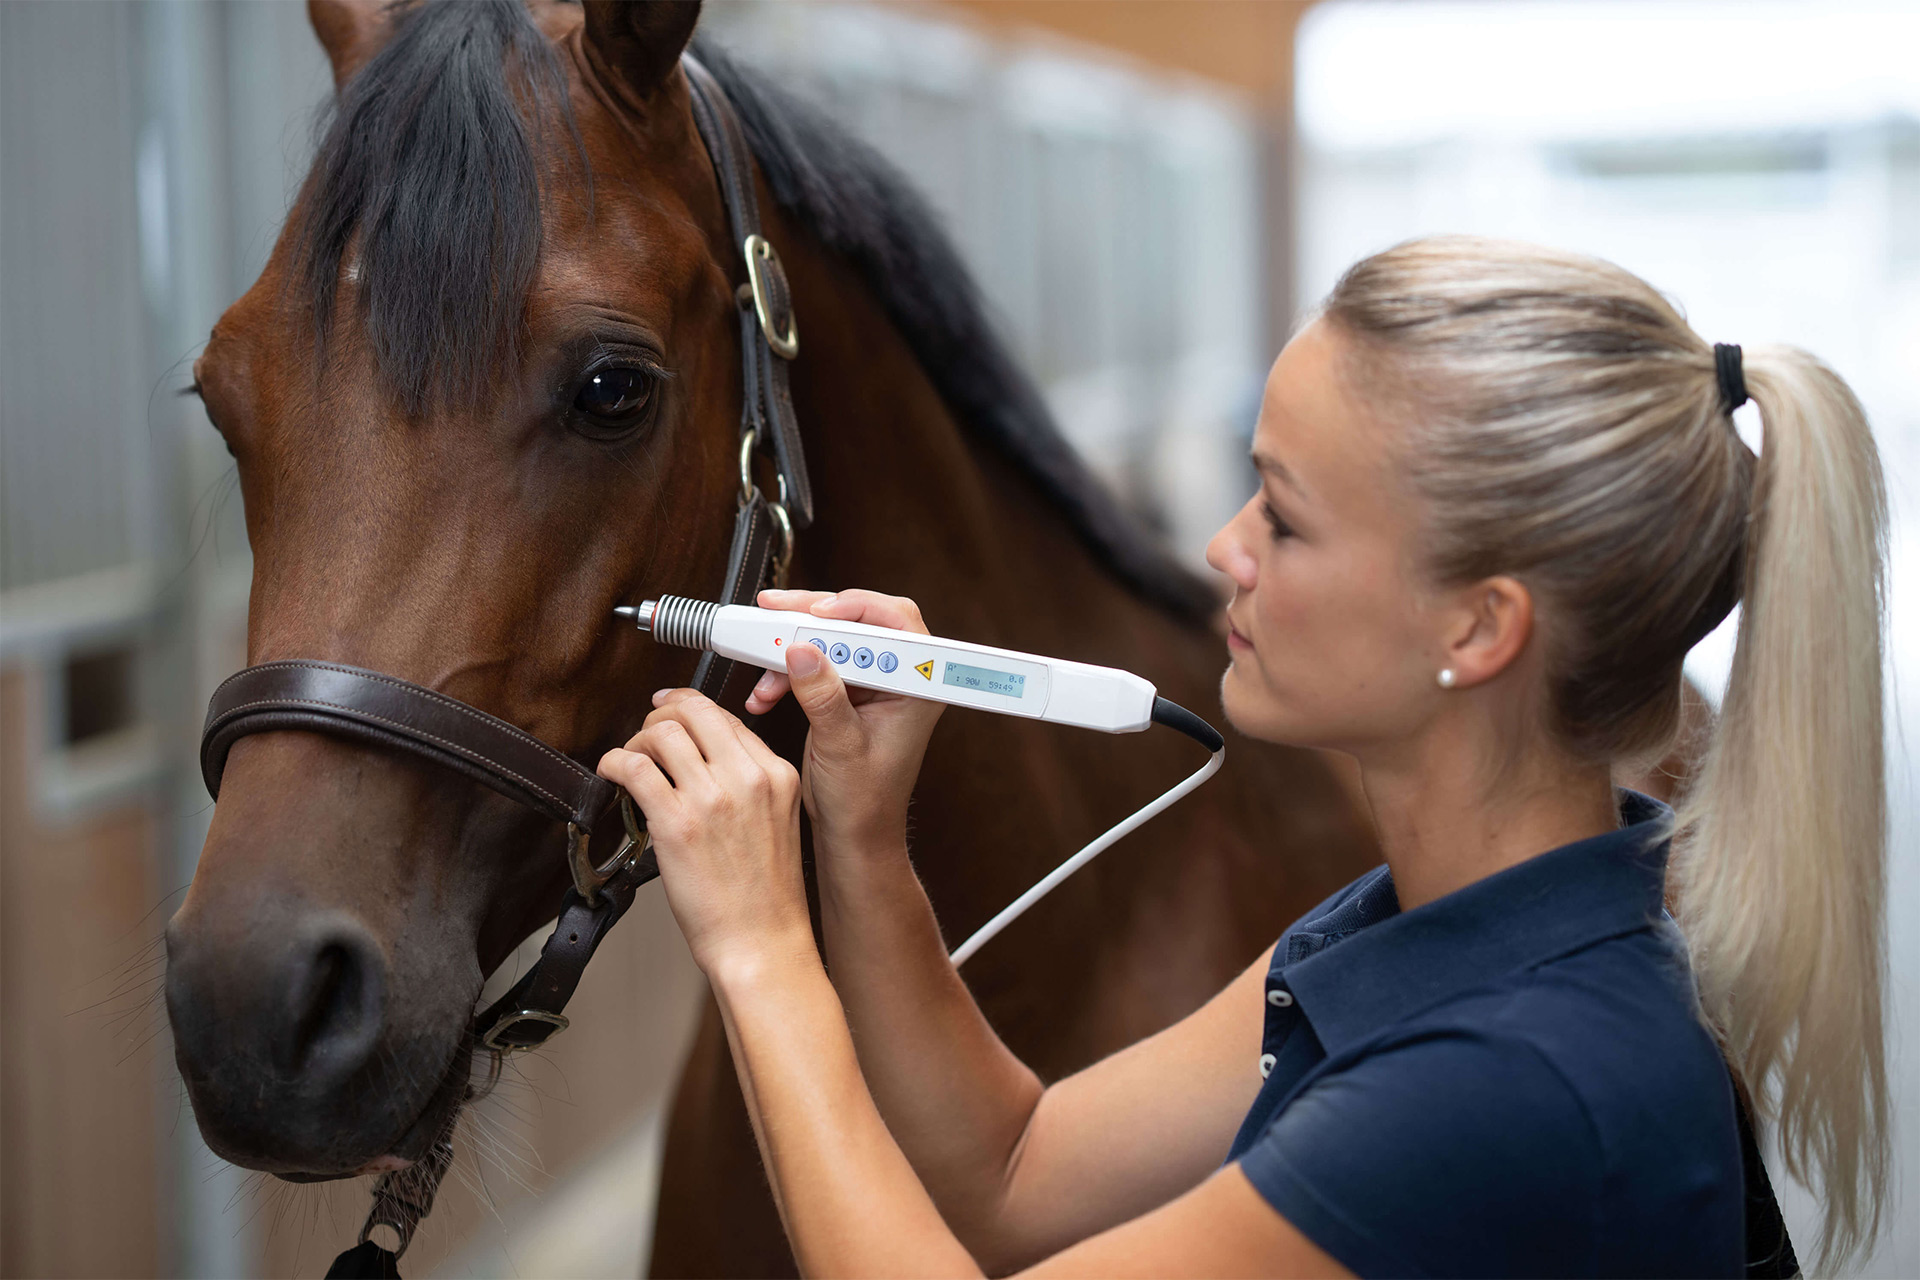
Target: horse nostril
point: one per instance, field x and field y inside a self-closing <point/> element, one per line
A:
<point x="336" y="1006"/>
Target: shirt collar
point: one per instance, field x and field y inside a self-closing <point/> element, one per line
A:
<point x="1390" y="965"/>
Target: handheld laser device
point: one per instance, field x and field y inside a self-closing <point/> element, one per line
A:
<point x="986" y="678"/>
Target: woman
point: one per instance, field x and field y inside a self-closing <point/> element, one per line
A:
<point x="1501" y="497"/>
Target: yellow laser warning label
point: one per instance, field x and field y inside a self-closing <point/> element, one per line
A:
<point x="926" y="668"/>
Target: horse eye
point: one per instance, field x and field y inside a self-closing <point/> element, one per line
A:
<point x="613" y="397"/>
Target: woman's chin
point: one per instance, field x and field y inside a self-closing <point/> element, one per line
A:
<point x="1256" y="712"/>
<point x="1241" y="704"/>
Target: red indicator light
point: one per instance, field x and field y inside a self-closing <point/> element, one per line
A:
<point x="777" y="642"/>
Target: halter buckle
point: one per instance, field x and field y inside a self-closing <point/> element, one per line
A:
<point x="588" y="878"/>
<point x="769" y="278"/>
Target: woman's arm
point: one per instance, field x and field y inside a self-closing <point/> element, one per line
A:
<point x="725" y="815"/>
<point x="852" y="1206"/>
<point x="847" y="1195"/>
<point x="1020" y="1171"/>
<point x="1016" y="1169"/>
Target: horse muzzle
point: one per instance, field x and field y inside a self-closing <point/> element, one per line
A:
<point x="286" y="1036"/>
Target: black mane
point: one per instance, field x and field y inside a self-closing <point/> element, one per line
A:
<point x="428" y="160"/>
<point x="857" y="204"/>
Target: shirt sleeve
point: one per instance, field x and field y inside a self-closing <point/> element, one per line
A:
<point x="1459" y="1153"/>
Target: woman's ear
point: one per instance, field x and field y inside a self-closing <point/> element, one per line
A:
<point x="351" y="31"/>
<point x="634" y="44"/>
<point x="1495" y="621"/>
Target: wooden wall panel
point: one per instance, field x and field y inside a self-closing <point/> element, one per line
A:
<point x="78" y="1085"/>
<point x="1243" y="44"/>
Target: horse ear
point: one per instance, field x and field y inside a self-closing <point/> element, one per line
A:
<point x="351" y="31"/>
<point x="637" y="42"/>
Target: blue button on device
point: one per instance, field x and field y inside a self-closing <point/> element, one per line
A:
<point x="888" y="662"/>
<point x="838" y="653"/>
<point x="818" y="643"/>
<point x="863" y="658"/>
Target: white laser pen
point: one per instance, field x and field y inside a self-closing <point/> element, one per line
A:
<point x="986" y="678"/>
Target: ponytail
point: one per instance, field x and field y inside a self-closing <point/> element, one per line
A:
<point x="1571" y="429"/>
<point x="1779" y="860"/>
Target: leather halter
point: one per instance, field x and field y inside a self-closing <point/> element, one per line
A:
<point x="388" y="712"/>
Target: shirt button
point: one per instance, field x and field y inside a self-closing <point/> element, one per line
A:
<point x="1280" y="998"/>
<point x="1266" y="1065"/>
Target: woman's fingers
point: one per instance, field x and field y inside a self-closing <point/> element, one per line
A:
<point x="897" y="612"/>
<point x="723" y="741"/>
<point x="821" y="693"/>
<point x="854" y="605"/>
<point x="637" y="772"/>
<point x="872" y="607"/>
<point x="788" y="598"/>
<point x="667" y="741"/>
<point x="767" y="692"/>
<point x="763" y="756"/>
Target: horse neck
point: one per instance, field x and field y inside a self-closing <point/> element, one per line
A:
<point x="908" y="502"/>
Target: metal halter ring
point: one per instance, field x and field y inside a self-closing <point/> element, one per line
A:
<point x="558" y="1021"/>
<point x="782" y="522"/>
<point x="748" y="442"/>
<point x="760" y="260"/>
<point x="783" y="530"/>
<point x="588" y="878"/>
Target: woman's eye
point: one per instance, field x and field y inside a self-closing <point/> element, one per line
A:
<point x="1280" y="527"/>
<point x="613" y="397"/>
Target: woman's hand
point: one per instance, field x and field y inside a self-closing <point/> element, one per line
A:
<point x="865" y="747"/>
<point x="724" y="813"/>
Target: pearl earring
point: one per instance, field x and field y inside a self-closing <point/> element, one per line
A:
<point x="1445" y="677"/>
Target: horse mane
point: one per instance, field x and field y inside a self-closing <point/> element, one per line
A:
<point x="858" y="205"/>
<point x="431" y="160"/>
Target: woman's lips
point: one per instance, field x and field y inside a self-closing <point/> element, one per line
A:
<point x="1235" y="640"/>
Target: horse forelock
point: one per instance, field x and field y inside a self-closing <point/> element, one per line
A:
<point x="425" y="195"/>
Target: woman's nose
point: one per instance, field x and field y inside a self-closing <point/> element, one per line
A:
<point x="1230" y="556"/>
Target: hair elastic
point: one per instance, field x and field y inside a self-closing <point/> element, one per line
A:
<point x="1733" y="379"/>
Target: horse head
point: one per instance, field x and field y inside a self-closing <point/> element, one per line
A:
<point x="485" y="390"/>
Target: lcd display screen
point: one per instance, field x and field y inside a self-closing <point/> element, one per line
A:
<point x="961" y="676"/>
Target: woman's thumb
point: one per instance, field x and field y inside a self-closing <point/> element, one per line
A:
<point x="821" y="693"/>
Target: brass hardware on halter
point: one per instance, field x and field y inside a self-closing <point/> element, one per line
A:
<point x="763" y="262"/>
<point x="783" y="531"/>
<point x="748" y="442"/>
<point x="402" y="1197"/>
<point x="588" y="878"/>
<point x="492" y="1040"/>
<point x="782" y="522"/>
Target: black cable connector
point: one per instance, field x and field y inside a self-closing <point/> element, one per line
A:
<point x="1175" y="716"/>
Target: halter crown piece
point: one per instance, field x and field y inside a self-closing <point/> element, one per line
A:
<point x="1733" y="379"/>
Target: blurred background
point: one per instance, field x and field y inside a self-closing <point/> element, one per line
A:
<point x="1150" y="192"/>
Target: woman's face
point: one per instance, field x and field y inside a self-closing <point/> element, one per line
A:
<point x="1335" y="642"/>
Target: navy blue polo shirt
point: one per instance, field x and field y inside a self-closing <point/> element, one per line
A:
<point x="1509" y="1080"/>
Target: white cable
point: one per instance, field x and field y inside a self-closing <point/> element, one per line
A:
<point x="1019" y="905"/>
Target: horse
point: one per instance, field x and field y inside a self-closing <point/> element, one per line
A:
<point x="485" y="390"/>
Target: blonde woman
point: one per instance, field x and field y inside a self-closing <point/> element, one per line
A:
<point x="1501" y="496"/>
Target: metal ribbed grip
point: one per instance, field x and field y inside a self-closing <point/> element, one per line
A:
<point x="687" y="623"/>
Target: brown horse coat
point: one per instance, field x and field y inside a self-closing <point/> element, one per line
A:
<point x="424" y="499"/>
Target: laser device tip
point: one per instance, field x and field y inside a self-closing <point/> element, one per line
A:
<point x="640" y="615"/>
